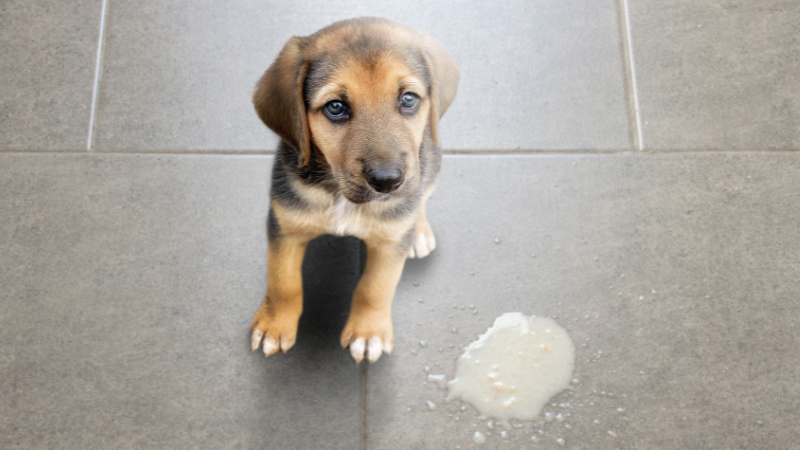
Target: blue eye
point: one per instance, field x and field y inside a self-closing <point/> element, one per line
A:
<point x="335" y="109"/>
<point x="409" y="101"/>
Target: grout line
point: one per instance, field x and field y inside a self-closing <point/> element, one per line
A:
<point x="538" y="152"/>
<point x="97" y="73"/>
<point x="515" y="152"/>
<point x="364" y="373"/>
<point x="196" y="152"/>
<point x="362" y="262"/>
<point x="628" y="46"/>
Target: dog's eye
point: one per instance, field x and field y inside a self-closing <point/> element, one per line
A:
<point x="336" y="111"/>
<point x="409" y="102"/>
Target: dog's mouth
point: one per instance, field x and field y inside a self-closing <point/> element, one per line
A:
<point x="357" y="194"/>
<point x="363" y="194"/>
<point x="366" y="192"/>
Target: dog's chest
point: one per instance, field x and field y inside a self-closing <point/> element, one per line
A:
<point x="327" y="213"/>
<point x="345" y="218"/>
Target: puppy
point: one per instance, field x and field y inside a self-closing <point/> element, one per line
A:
<point x="357" y="106"/>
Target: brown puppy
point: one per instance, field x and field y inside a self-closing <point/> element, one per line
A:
<point x="357" y="106"/>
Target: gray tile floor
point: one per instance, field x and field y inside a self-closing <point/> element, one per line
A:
<point x="636" y="159"/>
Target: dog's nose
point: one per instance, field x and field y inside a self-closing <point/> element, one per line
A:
<point x="385" y="180"/>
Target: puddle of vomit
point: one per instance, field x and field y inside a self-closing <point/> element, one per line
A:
<point x="514" y="368"/>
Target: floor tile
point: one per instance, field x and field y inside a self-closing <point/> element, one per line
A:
<point x="675" y="275"/>
<point x="718" y="74"/>
<point x="47" y="63"/>
<point x="129" y="283"/>
<point x="534" y="75"/>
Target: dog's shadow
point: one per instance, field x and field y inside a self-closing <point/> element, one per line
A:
<point x="331" y="269"/>
<point x="316" y="376"/>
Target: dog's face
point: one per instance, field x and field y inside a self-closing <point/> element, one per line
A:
<point x="362" y="93"/>
<point x="368" y="119"/>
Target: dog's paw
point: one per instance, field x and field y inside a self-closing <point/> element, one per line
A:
<point x="273" y="333"/>
<point x="367" y="339"/>
<point x="424" y="242"/>
<point x="273" y="336"/>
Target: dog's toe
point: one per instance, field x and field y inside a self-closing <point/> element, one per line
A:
<point x="424" y="244"/>
<point x="369" y="348"/>
<point x="271" y="346"/>
<point x="357" y="349"/>
<point x="255" y="339"/>
<point x="374" y="349"/>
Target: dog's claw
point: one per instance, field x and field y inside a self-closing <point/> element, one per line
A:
<point x="388" y="346"/>
<point x="271" y="346"/>
<point x="286" y="343"/>
<point x="374" y="349"/>
<point x="255" y="339"/>
<point x="357" y="349"/>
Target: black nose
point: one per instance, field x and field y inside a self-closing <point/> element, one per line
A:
<point x="385" y="180"/>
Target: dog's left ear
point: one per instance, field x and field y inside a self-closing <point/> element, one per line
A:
<point x="278" y="98"/>
<point x="444" y="81"/>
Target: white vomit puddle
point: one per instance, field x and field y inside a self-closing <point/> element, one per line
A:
<point x="514" y="368"/>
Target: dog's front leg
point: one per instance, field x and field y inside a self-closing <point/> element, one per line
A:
<point x="369" y="328"/>
<point x="276" y="320"/>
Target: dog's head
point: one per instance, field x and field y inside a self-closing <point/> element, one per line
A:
<point x="361" y="92"/>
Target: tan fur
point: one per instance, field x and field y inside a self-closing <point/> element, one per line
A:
<point x="283" y="304"/>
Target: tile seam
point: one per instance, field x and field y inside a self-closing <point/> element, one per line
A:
<point x="98" y="71"/>
<point x="543" y="152"/>
<point x="627" y="42"/>
<point x="364" y="374"/>
<point x="362" y="262"/>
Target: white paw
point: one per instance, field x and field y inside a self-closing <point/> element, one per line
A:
<point x="270" y="344"/>
<point x="423" y="245"/>
<point x="372" y="349"/>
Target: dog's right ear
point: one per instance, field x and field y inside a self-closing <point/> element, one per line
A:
<point x="444" y="81"/>
<point x="278" y="98"/>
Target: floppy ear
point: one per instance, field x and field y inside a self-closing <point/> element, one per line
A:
<point x="444" y="81"/>
<point x="278" y="98"/>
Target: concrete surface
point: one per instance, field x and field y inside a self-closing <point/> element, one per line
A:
<point x="130" y="272"/>
<point x="127" y="298"/>
<point x="718" y="74"/>
<point x="534" y="76"/>
<point x="47" y="60"/>
<point x="675" y="275"/>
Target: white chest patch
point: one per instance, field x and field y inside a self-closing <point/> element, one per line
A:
<point x="347" y="218"/>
